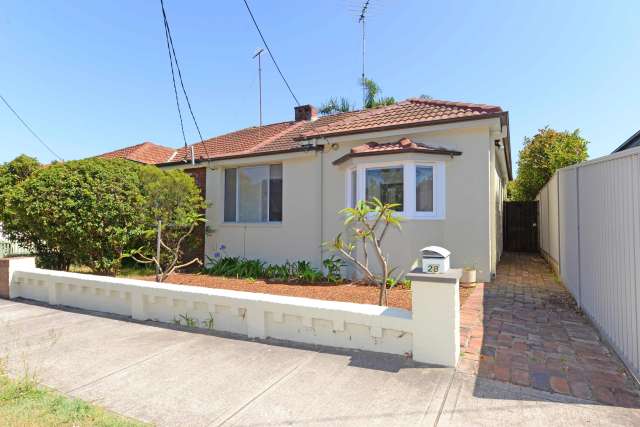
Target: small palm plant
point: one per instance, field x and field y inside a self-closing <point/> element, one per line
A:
<point x="368" y="223"/>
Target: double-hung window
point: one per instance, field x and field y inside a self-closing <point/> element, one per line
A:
<point x="417" y="187"/>
<point x="253" y="194"/>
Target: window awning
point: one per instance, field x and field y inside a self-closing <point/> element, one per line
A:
<point x="405" y="145"/>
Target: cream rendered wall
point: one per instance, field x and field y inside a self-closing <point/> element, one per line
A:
<point x="466" y="229"/>
<point x="499" y="179"/>
<point x="297" y="237"/>
<point x="312" y="186"/>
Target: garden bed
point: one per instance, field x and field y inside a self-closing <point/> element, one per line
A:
<point x="347" y="292"/>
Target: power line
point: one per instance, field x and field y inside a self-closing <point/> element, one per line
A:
<point x="173" y="58"/>
<point x="173" y="76"/>
<point x="29" y="128"/>
<point x="270" y="54"/>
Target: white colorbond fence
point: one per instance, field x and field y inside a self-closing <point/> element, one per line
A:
<point x="430" y="333"/>
<point x="589" y="217"/>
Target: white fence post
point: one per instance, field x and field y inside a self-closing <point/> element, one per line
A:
<point x="7" y="267"/>
<point x="435" y="301"/>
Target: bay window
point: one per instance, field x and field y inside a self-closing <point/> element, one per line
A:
<point x="418" y="187"/>
<point x="253" y="194"/>
<point x="386" y="184"/>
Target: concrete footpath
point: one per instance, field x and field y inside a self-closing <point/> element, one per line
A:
<point x="176" y="378"/>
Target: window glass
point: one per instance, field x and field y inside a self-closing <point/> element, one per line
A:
<point x="275" y="193"/>
<point x="387" y="185"/>
<point x="253" y="194"/>
<point x="354" y="188"/>
<point x="253" y="186"/>
<point x="230" y="195"/>
<point x="424" y="189"/>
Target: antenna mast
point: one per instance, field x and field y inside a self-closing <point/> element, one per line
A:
<point x="258" y="52"/>
<point x="363" y="13"/>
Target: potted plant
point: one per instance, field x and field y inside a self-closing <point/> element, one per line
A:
<point x="468" y="279"/>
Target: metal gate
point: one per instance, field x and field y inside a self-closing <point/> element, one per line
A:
<point x="521" y="226"/>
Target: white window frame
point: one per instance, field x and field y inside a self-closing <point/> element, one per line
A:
<point x="409" y="186"/>
<point x="224" y="187"/>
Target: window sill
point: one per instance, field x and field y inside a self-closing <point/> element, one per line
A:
<point x="424" y="218"/>
<point x="413" y="217"/>
<point x="251" y="224"/>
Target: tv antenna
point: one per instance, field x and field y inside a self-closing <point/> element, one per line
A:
<point x="361" y="19"/>
<point x="258" y="52"/>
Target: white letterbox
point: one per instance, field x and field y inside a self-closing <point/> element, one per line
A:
<point x="435" y="259"/>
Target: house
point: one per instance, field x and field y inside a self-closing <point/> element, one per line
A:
<point x="633" y="141"/>
<point x="275" y="191"/>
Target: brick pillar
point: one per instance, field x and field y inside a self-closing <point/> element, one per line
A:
<point x="7" y="267"/>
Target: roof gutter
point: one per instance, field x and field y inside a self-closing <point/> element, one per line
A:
<point x="504" y="121"/>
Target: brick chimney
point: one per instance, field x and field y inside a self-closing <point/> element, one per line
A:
<point x="305" y="112"/>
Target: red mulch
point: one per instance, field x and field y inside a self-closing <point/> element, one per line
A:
<point x="348" y="292"/>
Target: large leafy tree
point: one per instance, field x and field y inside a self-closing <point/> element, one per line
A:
<point x="85" y="212"/>
<point x="174" y="205"/>
<point x="544" y="153"/>
<point x="17" y="170"/>
<point x="91" y="212"/>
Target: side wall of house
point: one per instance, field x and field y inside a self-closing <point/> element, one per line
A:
<point x="499" y="179"/>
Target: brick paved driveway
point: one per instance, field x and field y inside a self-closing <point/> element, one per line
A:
<point x="524" y="328"/>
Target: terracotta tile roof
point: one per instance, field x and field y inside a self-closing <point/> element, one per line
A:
<point x="412" y="112"/>
<point x="289" y="136"/>
<point x="241" y="142"/>
<point x="147" y="152"/>
<point x="274" y="138"/>
<point x="405" y="145"/>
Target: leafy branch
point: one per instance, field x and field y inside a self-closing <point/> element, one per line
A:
<point x="368" y="223"/>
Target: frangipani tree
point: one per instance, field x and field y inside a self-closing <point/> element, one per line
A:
<point x="368" y="223"/>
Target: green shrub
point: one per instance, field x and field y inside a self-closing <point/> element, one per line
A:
<point x="83" y="212"/>
<point x="334" y="266"/>
<point x="91" y="212"/>
<point x="242" y="268"/>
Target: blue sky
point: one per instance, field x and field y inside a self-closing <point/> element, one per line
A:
<point x="94" y="76"/>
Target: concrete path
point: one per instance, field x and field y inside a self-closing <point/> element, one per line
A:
<point x="173" y="377"/>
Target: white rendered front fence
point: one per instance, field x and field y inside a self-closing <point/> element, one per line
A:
<point x="431" y="335"/>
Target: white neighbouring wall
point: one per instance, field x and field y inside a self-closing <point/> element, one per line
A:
<point x="430" y="333"/>
<point x="589" y="217"/>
